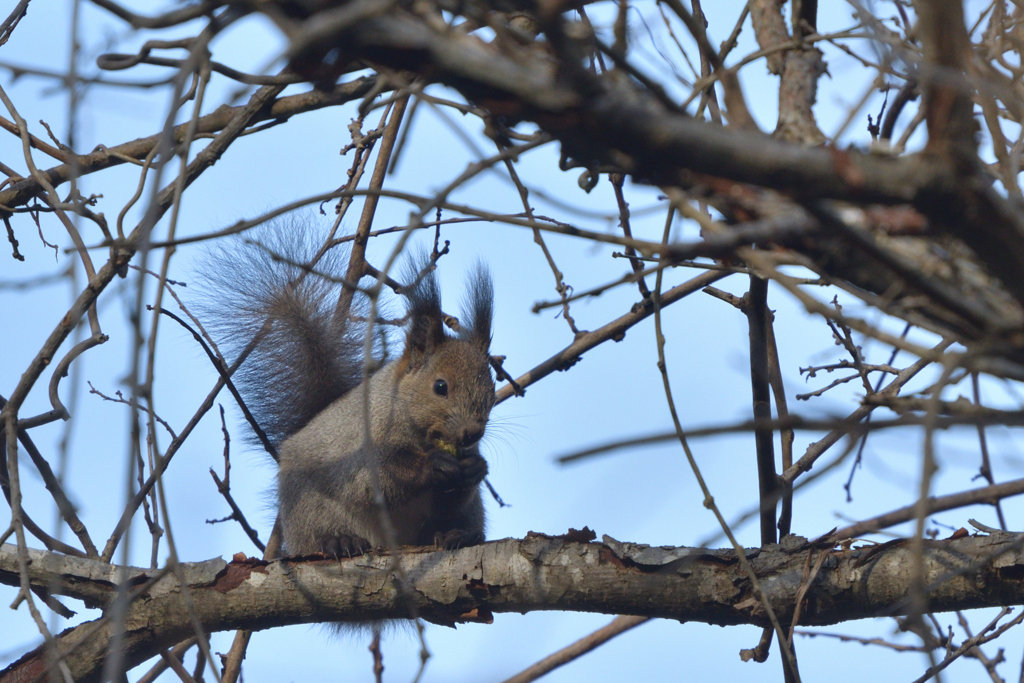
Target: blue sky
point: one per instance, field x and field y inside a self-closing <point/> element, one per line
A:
<point x="643" y="495"/>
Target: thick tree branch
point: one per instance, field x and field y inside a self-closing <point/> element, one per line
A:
<point x="536" y="573"/>
<point x="602" y="120"/>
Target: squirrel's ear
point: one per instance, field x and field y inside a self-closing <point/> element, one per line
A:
<point x="426" y="329"/>
<point x="478" y="309"/>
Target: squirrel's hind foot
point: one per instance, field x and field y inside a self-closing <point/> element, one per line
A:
<point x="345" y="545"/>
<point x="458" y="538"/>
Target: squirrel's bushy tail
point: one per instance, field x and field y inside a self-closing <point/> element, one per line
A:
<point x="260" y="284"/>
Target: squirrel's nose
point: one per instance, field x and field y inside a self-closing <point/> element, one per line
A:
<point x="470" y="435"/>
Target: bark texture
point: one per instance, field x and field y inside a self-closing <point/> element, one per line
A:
<point x="536" y="573"/>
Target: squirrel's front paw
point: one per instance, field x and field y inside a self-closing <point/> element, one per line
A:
<point x="345" y="545"/>
<point x="445" y="471"/>
<point x="449" y="474"/>
<point x="474" y="469"/>
<point x="458" y="538"/>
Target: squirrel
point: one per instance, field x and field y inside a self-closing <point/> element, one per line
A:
<point x="303" y="384"/>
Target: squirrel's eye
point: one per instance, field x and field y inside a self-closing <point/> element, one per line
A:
<point x="441" y="387"/>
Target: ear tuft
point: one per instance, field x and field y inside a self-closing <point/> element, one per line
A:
<point x="426" y="328"/>
<point x="478" y="308"/>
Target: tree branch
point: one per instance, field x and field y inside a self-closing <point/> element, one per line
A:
<point x="22" y="191"/>
<point x="537" y="573"/>
<point x="603" y="120"/>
